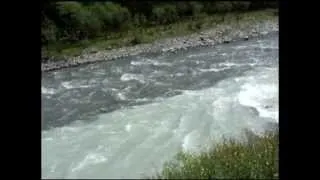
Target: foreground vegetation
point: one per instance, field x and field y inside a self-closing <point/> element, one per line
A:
<point x="255" y="159"/>
<point x="67" y="28"/>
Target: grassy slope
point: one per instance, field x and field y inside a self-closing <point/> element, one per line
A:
<point x="257" y="159"/>
<point x="147" y="35"/>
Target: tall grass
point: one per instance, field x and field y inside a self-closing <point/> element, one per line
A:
<point x="255" y="159"/>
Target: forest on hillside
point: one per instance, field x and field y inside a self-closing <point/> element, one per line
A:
<point x="72" y="21"/>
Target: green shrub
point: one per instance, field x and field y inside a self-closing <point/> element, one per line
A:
<point x="223" y="6"/>
<point x="78" y="21"/>
<point x="48" y="31"/>
<point x="256" y="159"/>
<point x="196" y="7"/>
<point x="136" y="20"/>
<point x="100" y="11"/>
<point x="191" y="27"/>
<point x="164" y="14"/>
<point x="183" y="9"/>
<point x="158" y="15"/>
<point x="137" y="39"/>
<point x="199" y="25"/>
<point x="112" y="15"/>
<point x="171" y="13"/>
<point x="240" y="5"/>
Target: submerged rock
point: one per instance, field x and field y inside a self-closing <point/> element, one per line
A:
<point x="254" y="111"/>
<point x="268" y="106"/>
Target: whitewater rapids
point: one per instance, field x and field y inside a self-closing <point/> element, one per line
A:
<point x="125" y="119"/>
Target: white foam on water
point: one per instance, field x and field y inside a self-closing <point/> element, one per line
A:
<point x="121" y="96"/>
<point x="129" y="76"/>
<point x="117" y="70"/>
<point x="147" y="61"/>
<point x="240" y="47"/>
<point x="48" y="90"/>
<point x="67" y="85"/>
<point x="222" y="66"/>
<point x="100" y="72"/>
<point x="136" y="140"/>
<point x="74" y="84"/>
<point x="156" y="63"/>
<point x="128" y="127"/>
<point x="142" y="100"/>
<point x="91" y="158"/>
<point x="84" y="86"/>
<point x="259" y="96"/>
<point x="179" y="74"/>
<point x="229" y="64"/>
<point x="214" y="69"/>
<point x="202" y="54"/>
<point x="137" y="63"/>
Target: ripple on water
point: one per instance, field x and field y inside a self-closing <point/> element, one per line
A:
<point x="129" y="77"/>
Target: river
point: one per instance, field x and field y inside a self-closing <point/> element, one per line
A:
<point x="125" y="118"/>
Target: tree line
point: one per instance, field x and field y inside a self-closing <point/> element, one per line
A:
<point x="71" y="21"/>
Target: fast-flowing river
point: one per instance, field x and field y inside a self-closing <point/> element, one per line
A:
<point x="125" y="118"/>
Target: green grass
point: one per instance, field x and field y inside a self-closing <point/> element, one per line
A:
<point x="148" y="35"/>
<point x="255" y="159"/>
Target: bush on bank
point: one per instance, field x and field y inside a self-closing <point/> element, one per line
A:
<point x="255" y="159"/>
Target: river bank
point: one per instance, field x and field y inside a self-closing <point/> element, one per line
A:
<point x="229" y="160"/>
<point x="242" y="27"/>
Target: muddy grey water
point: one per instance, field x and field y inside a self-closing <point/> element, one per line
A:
<point x="125" y="118"/>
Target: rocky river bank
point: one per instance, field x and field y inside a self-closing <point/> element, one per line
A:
<point x="220" y="34"/>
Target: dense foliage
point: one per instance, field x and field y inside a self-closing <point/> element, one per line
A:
<point x="71" y="21"/>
